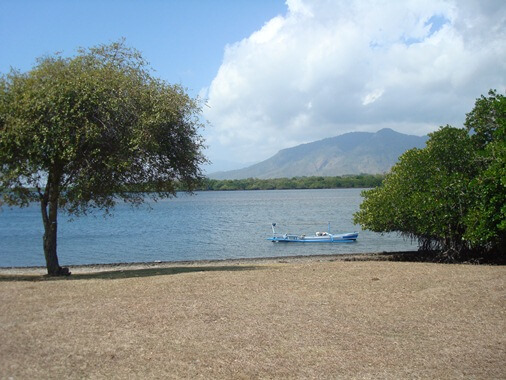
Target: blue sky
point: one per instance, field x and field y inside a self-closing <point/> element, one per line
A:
<point x="184" y="40"/>
<point x="274" y="73"/>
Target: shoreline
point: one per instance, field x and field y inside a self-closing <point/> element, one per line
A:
<point x="87" y="268"/>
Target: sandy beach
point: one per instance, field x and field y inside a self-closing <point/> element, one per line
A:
<point x="118" y="267"/>
<point x="306" y="317"/>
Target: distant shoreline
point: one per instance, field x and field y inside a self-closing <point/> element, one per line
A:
<point x="292" y="183"/>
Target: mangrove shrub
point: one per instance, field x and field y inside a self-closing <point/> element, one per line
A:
<point x="450" y="195"/>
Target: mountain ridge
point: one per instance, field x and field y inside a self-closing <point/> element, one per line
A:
<point x="349" y="153"/>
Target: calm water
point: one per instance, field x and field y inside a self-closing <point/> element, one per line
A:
<point x="205" y="226"/>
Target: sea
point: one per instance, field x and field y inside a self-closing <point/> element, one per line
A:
<point x="209" y="225"/>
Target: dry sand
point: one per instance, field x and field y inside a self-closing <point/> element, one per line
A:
<point x="300" y="318"/>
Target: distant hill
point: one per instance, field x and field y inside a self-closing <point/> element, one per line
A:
<point x="351" y="153"/>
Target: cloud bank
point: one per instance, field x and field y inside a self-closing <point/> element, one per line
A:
<point x="328" y="67"/>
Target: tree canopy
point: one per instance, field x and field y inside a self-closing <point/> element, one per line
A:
<point x="82" y="131"/>
<point x="450" y="195"/>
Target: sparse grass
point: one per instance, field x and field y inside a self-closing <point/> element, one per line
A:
<point x="301" y="319"/>
<point x="125" y="273"/>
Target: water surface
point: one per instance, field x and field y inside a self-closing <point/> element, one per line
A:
<point x="203" y="226"/>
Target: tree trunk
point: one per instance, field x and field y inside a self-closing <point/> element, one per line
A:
<point x="49" y="209"/>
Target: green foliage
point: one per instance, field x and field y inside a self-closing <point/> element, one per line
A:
<point x="97" y="122"/>
<point x="451" y="194"/>
<point x="84" y="130"/>
<point x="487" y="120"/>
<point x="358" y="181"/>
<point x="423" y="196"/>
<point x="486" y="221"/>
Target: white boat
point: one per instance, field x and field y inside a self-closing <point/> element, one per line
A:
<point x="318" y="237"/>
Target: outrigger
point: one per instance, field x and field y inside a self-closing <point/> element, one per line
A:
<point x="318" y="237"/>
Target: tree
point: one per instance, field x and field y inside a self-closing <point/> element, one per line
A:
<point x="80" y="133"/>
<point x="450" y="195"/>
<point x="486" y="221"/>
<point x="424" y="196"/>
<point x="487" y="120"/>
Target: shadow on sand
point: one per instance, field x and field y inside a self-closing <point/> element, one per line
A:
<point x="128" y="273"/>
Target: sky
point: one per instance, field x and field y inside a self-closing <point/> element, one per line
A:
<point x="274" y="74"/>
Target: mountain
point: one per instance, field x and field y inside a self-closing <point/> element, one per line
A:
<point x="351" y="153"/>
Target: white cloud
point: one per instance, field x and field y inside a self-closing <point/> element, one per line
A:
<point x="372" y="96"/>
<point x="329" y="67"/>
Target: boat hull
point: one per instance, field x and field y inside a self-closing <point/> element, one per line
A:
<point x="341" y="238"/>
